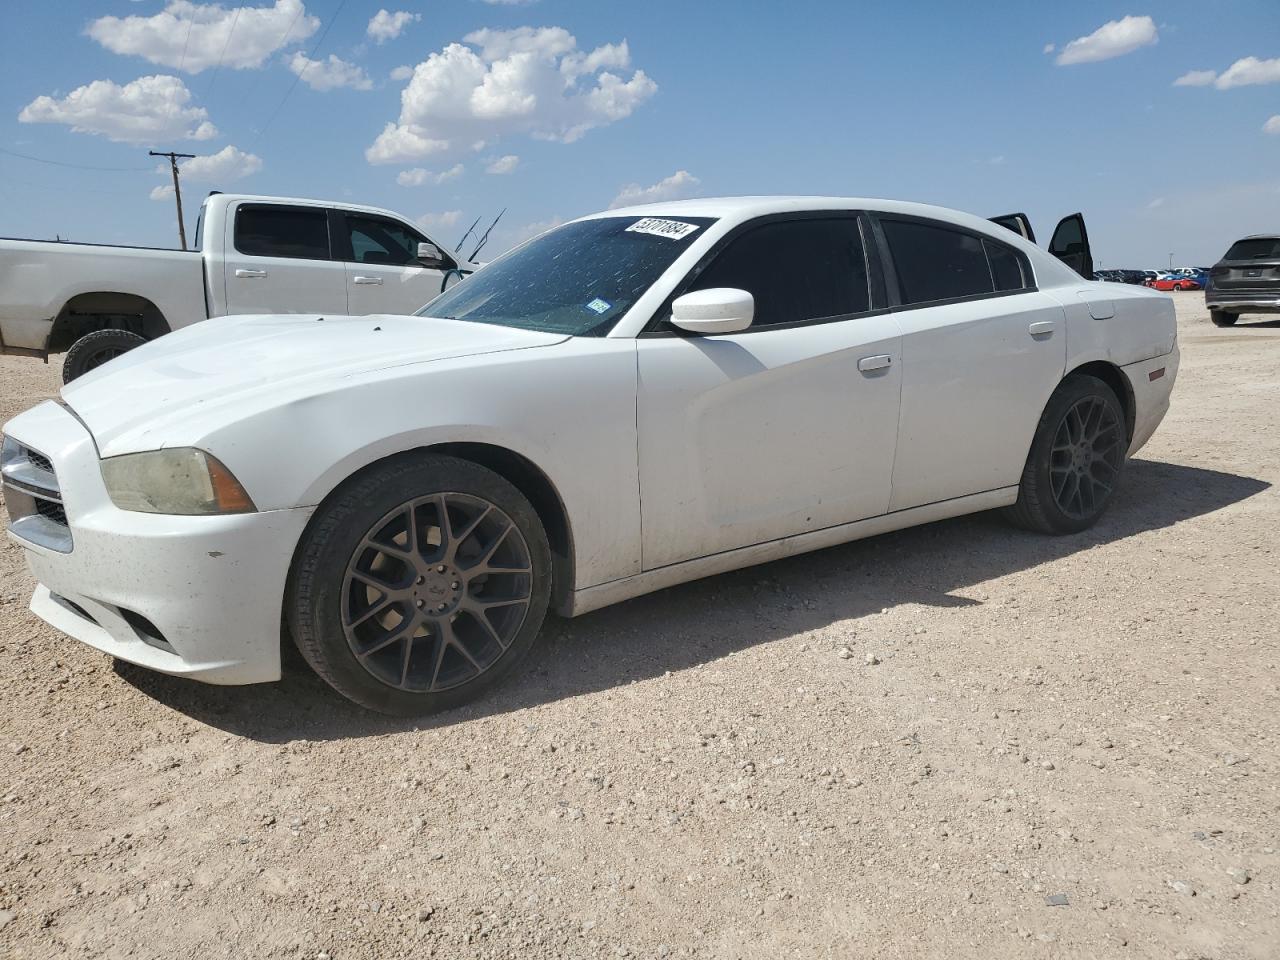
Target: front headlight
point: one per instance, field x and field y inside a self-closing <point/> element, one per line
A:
<point x="182" y="481"/>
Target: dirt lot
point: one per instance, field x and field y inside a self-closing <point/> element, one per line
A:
<point x="702" y="773"/>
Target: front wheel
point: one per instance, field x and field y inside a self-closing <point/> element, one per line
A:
<point x="1220" y="318"/>
<point x="420" y="585"/>
<point x="94" y="349"/>
<point x="1076" y="459"/>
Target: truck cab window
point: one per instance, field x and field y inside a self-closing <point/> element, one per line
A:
<point x="297" y="232"/>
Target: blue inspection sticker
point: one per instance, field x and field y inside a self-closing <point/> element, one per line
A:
<point x="599" y="306"/>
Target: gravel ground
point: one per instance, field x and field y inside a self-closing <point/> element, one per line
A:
<point x="913" y="746"/>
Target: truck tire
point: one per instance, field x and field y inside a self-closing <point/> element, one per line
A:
<point x="94" y="349"/>
<point x="1221" y="318"/>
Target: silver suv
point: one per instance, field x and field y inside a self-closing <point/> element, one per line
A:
<point x="1245" y="280"/>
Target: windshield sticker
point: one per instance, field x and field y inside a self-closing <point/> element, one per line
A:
<point x="671" y="229"/>
<point x="599" y="306"/>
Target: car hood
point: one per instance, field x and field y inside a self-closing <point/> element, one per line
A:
<point x="255" y="361"/>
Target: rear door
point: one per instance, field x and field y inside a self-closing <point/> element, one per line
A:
<point x="1070" y="244"/>
<point x="982" y="349"/>
<point x="1019" y="223"/>
<point x="384" y="274"/>
<point x="277" y="258"/>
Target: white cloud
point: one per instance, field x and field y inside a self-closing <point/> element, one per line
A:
<point x="671" y="188"/>
<point x="146" y="110"/>
<point x="229" y="163"/>
<point x="531" y="81"/>
<point x="437" y="221"/>
<point x="1272" y="125"/>
<point x="418" y="177"/>
<point x="387" y="26"/>
<point x="1248" y="72"/>
<point x="402" y="73"/>
<point x="329" y="74"/>
<point x="1154" y="204"/>
<point x="197" y="36"/>
<point x="1049" y="48"/>
<point x="502" y="165"/>
<point x="1114" y="38"/>
<point x="162" y="192"/>
<point x="1196" y="78"/>
<point x="997" y="160"/>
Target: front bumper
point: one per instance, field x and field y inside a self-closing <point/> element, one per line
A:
<point x="199" y="597"/>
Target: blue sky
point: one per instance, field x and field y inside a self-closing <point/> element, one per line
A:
<point x="961" y="105"/>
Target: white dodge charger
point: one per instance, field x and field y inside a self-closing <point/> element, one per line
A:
<point x="631" y="400"/>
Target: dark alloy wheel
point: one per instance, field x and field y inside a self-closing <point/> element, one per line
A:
<point x="419" y="584"/>
<point x="1076" y="459"/>
<point x="94" y="349"/>
<point x="436" y="592"/>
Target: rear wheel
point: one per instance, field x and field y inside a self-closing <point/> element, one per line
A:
<point x="1221" y="318"/>
<point x="1076" y="459"/>
<point x="421" y="585"/>
<point x="94" y="349"/>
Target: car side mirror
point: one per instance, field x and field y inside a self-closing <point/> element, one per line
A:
<point x="718" y="310"/>
<point x="429" y="255"/>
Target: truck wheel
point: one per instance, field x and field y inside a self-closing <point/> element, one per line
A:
<point x="94" y="349"/>
<point x="1221" y="318"/>
<point x="419" y="585"/>
<point x="1076" y="459"/>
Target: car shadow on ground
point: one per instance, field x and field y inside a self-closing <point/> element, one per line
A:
<point x="671" y="630"/>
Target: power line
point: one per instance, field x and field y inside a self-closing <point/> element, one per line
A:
<point x="185" y="43"/>
<point x="222" y="55"/>
<point x="73" y="166"/>
<point x="311" y="59"/>
<point x="279" y="46"/>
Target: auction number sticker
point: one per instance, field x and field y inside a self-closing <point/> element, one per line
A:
<point x="671" y="229"/>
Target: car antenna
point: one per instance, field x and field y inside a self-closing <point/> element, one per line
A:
<point x="459" y="244"/>
<point x="485" y="238"/>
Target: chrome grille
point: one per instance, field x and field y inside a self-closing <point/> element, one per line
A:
<point x="32" y="497"/>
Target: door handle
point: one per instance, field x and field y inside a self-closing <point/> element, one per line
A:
<point x="377" y="280"/>
<point x="250" y="274"/>
<point x="879" y="362"/>
<point x="1042" y="328"/>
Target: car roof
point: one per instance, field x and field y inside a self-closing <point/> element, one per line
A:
<point x="306" y="202"/>
<point x="748" y="207"/>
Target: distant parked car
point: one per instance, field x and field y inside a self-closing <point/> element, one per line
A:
<point x="1176" y="282"/>
<point x="1245" y="280"/>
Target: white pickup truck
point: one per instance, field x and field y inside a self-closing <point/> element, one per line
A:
<point x="253" y="255"/>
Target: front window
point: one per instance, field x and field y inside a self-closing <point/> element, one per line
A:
<point x="577" y="279"/>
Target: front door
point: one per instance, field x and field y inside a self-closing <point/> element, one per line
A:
<point x="384" y="274"/>
<point x="277" y="259"/>
<point x="784" y="428"/>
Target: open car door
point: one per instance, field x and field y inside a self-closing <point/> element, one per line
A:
<point x="1019" y="223"/>
<point x="1070" y="244"/>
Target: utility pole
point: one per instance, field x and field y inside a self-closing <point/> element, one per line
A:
<point x="177" y="190"/>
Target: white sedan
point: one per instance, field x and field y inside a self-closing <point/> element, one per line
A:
<point x="631" y="400"/>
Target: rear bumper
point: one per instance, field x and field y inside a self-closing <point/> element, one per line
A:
<point x="1255" y="301"/>
<point x="1152" y="384"/>
<point x="199" y="597"/>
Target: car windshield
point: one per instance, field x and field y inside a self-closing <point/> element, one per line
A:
<point x="1258" y="248"/>
<point x="577" y="279"/>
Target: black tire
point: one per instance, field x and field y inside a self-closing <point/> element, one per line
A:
<point x="94" y="349"/>
<point x="1046" y="501"/>
<point x="320" y="590"/>
<point x="1220" y="318"/>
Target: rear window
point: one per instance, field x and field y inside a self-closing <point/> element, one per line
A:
<point x="935" y="263"/>
<point x="298" y="232"/>
<point x="1258" y="248"/>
